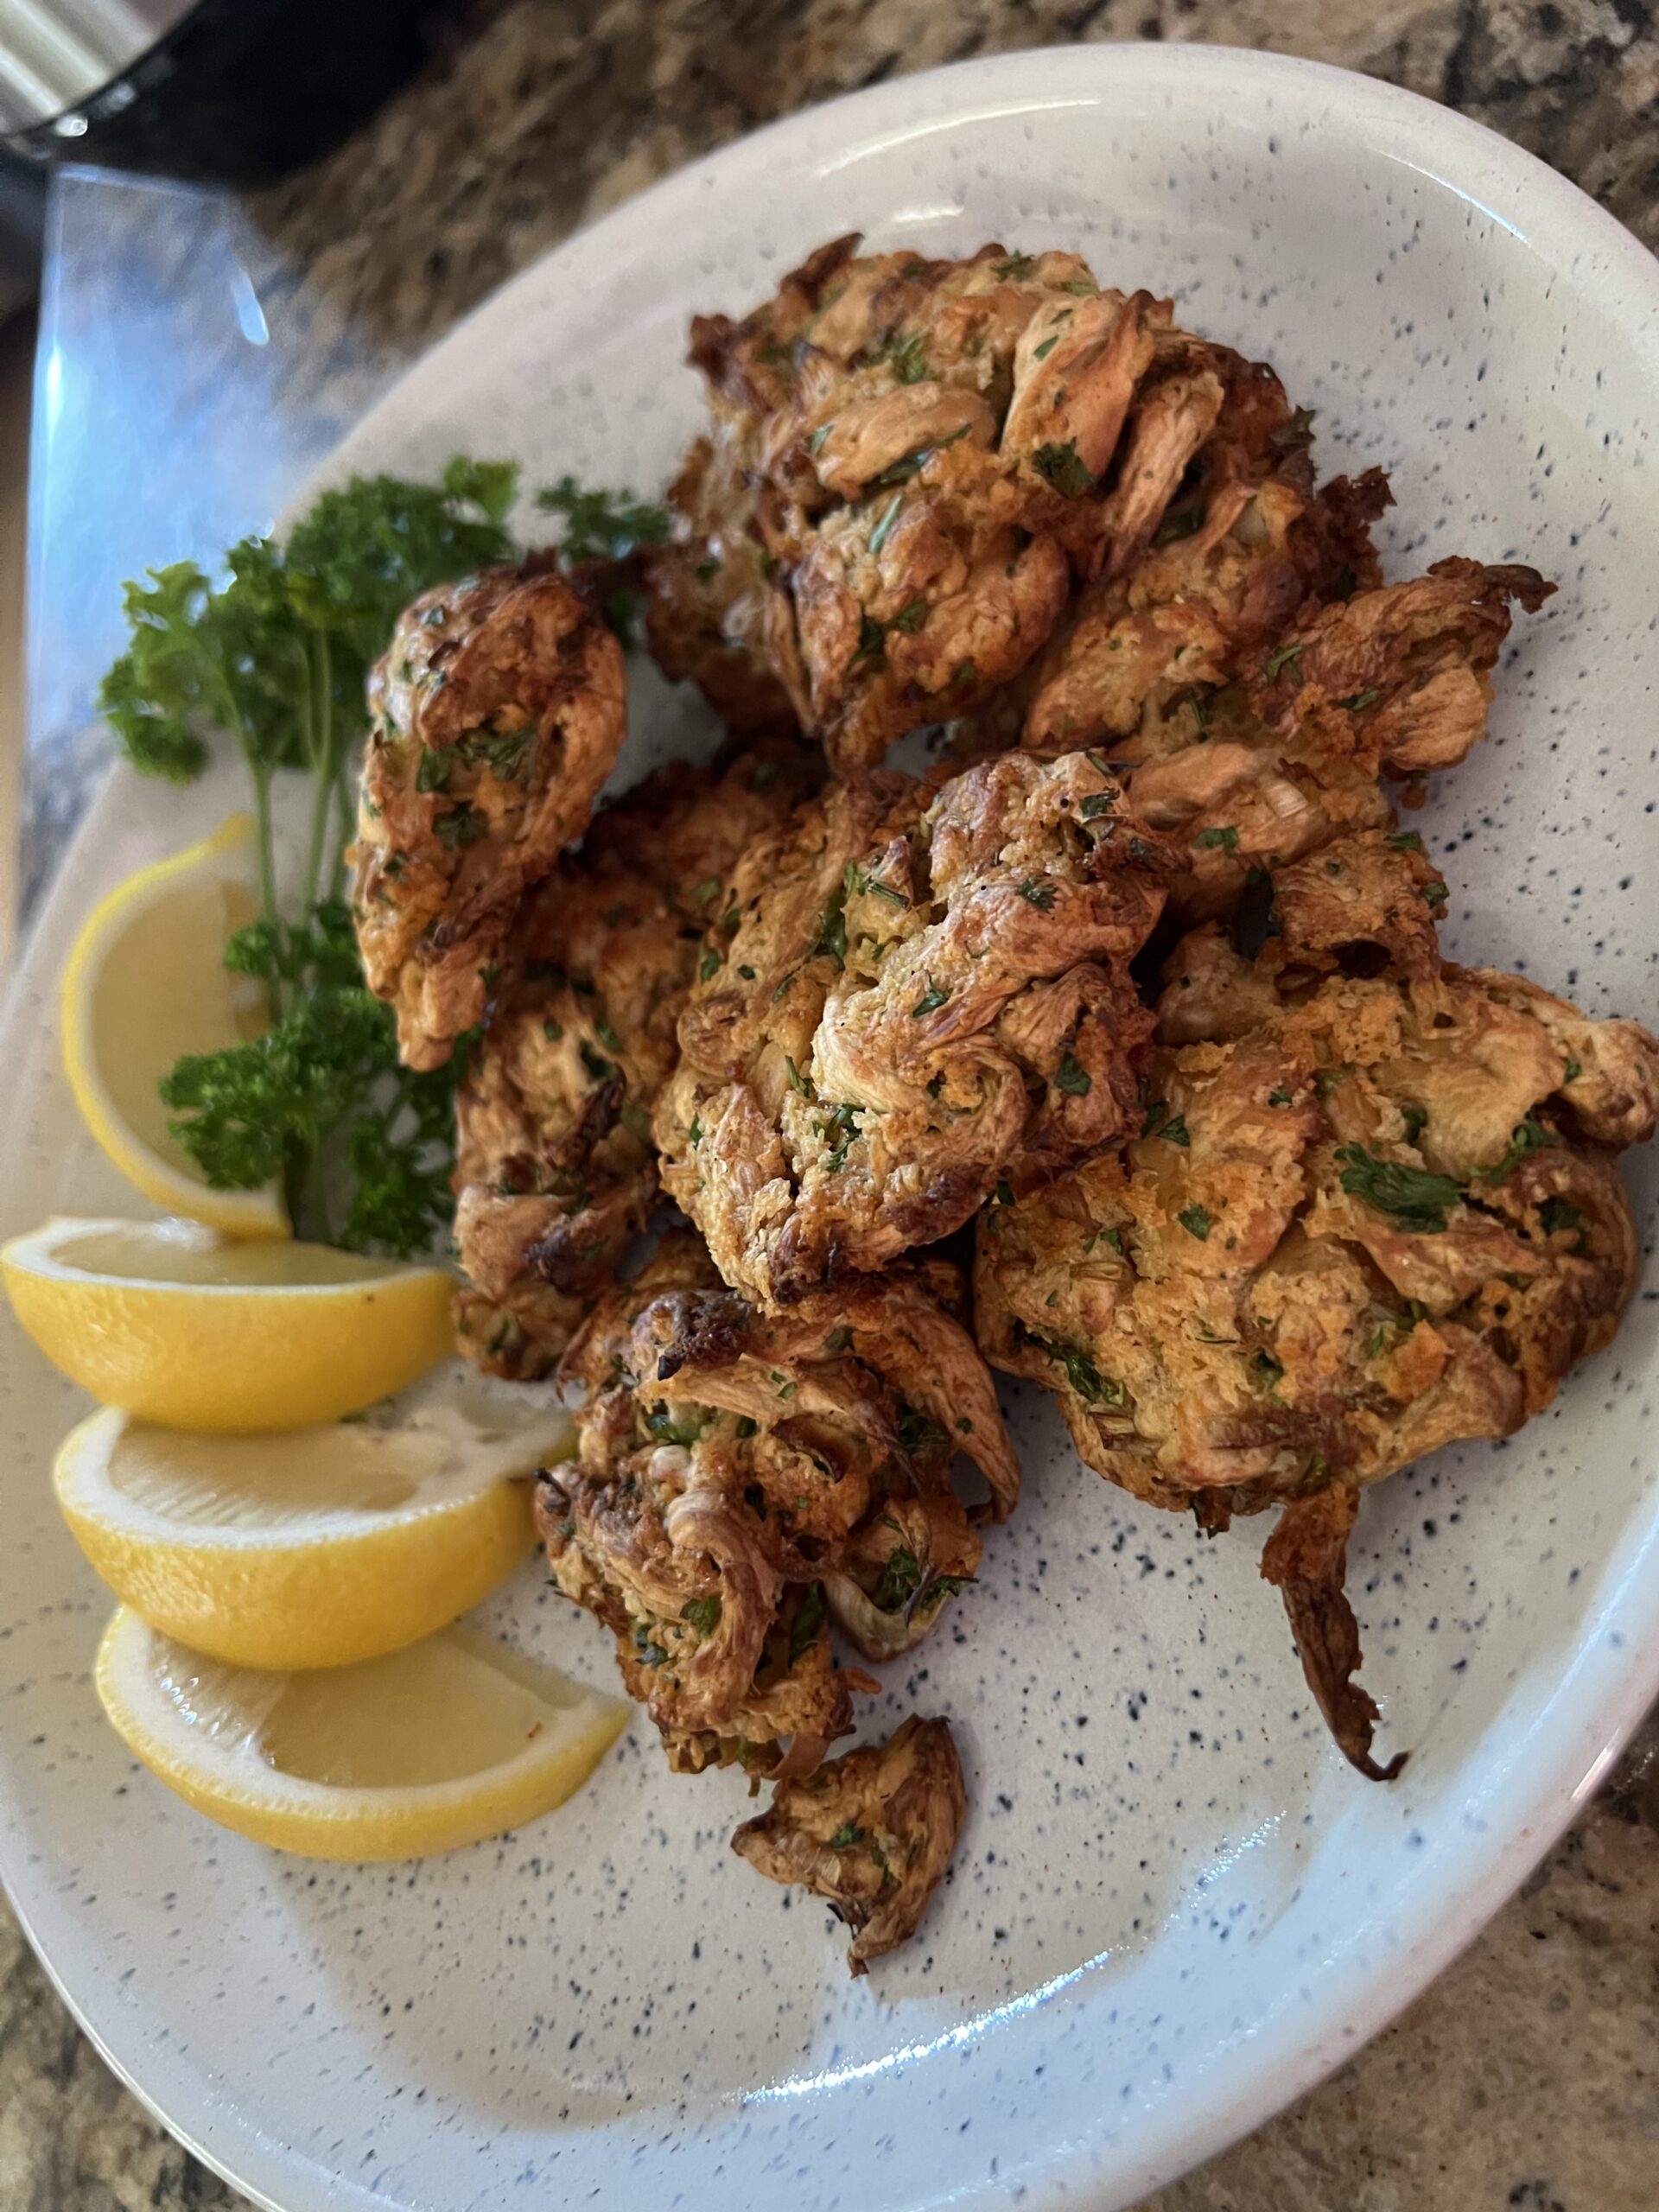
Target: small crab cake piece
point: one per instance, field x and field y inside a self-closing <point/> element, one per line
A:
<point x="1404" y="672"/>
<point x="556" y="1169"/>
<point x="917" y="992"/>
<point x="496" y="714"/>
<point x="740" y="1481"/>
<point x="871" y="1834"/>
<point x="1397" y="683"/>
<point x="1239" y="542"/>
<point x="906" y="461"/>
<point x="1373" y="1207"/>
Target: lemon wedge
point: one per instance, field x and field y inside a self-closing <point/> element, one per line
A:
<point x="439" y="1744"/>
<point x="319" y="1545"/>
<point x="182" y="1326"/>
<point x="145" y="983"/>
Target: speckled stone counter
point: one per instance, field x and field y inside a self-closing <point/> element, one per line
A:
<point x="1529" y="2075"/>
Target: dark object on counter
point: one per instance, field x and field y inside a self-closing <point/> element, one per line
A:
<point x="222" y="91"/>
<point x="22" y="206"/>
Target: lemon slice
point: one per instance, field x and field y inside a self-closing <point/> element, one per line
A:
<point x="181" y="1326"/>
<point x="145" y="983"/>
<point x="440" y="1743"/>
<point x="320" y="1546"/>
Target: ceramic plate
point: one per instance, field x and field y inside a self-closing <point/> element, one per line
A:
<point x="1172" y="1906"/>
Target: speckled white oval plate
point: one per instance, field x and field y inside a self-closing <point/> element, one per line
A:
<point x="1173" y="1907"/>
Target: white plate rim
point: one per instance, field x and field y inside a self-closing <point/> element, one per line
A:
<point x="1440" y="144"/>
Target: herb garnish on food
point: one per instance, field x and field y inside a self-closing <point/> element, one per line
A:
<point x="273" y="654"/>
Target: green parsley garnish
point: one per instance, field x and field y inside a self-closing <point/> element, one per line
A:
<point x="832" y="929"/>
<point x="1357" y="702"/>
<point x="901" y="1574"/>
<point x="846" y="1836"/>
<point x="1038" y="893"/>
<point x="1073" y="1077"/>
<point x="908" y="358"/>
<point x="883" y="529"/>
<point x="1160" y="1123"/>
<point x="1282" y="657"/>
<point x="932" y="999"/>
<point x="1406" y="840"/>
<point x="808" y="1623"/>
<point x="1195" y="1221"/>
<point x="1558" y="1214"/>
<point x="606" y="526"/>
<point x="701" y="1614"/>
<point x="432" y="772"/>
<point x="1224" y="839"/>
<point x="1060" y="465"/>
<point x="1526" y="1138"/>
<point x="1298" y="432"/>
<point x="1419" y="1201"/>
<point x="1081" y="1372"/>
<point x="1041" y="352"/>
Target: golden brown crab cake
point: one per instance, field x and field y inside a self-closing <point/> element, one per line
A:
<point x="1226" y="549"/>
<point x="906" y="458"/>
<point x="1364" y="1217"/>
<point x="1274" y="766"/>
<point x="555" y="1168"/>
<point x="742" y="1481"/>
<point x="1401" y="674"/>
<point x="871" y="1832"/>
<point x="496" y="714"/>
<point x="924" y="993"/>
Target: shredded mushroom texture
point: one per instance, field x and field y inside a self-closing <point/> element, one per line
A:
<point x="743" y="1483"/>
<point x="555" y="1167"/>
<point x="917" y="995"/>
<point x="1373" y="1208"/>
<point x="496" y="714"/>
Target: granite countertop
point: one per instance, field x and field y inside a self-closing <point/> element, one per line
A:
<point x="1528" y="2074"/>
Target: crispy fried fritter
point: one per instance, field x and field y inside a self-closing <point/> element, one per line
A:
<point x="917" y="992"/>
<point x="1240" y="542"/>
<point x="1392" y="682"/>
<point x="555" y="1168"/>
<point x="496" y="714"/>
<point x="907" y="461"/>
<point x="1374" y="1208"/>
<point x="740" y="1481"/>
<point x="871" y="1832"/>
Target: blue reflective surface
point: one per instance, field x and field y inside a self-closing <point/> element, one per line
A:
<point x="188" y="379"/>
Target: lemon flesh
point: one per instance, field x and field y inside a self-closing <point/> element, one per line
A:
<point x="185" y="1328"/>
<point x="146" y="984"/>
<point x="315" y="1547"/>
<point x="442" y="1744"/>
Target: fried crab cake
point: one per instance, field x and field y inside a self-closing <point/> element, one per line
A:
<point x="1242" y="543"/>
<point x="871" y="1832"/>
<point x="907" y="461"/>
<point x="1374" y="1208"/>
<point x="555" y="1168"/>
<point x="496" y="714"/>
<point x="1392" y="682"/>
<point x="742" y="1481"/>
<point x="917" y="992"/>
